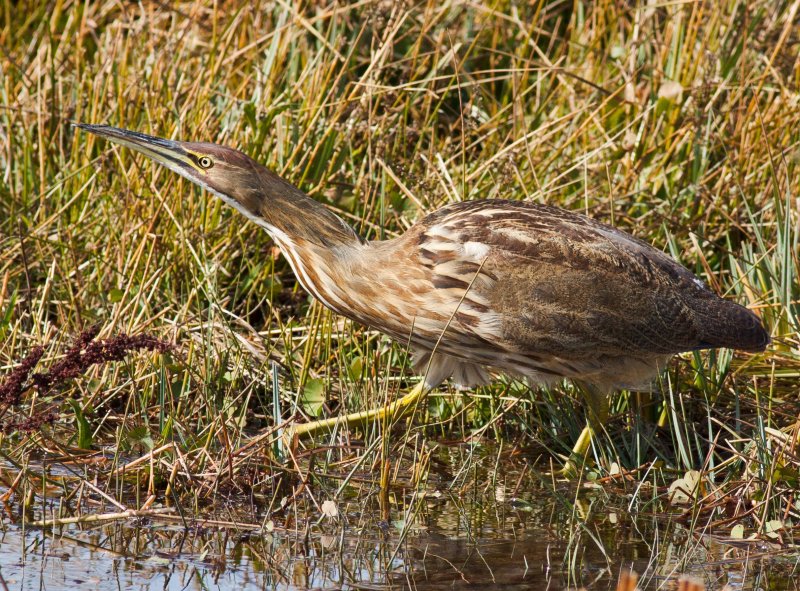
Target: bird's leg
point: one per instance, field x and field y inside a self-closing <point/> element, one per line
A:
<point x="597" y="405"/>
<point x="646" y="406"/>
<point x="391" y="411"/>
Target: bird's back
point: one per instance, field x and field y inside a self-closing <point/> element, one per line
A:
<point x="577" y="297"/>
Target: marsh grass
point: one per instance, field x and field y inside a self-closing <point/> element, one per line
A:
<point x="679" y="123"/>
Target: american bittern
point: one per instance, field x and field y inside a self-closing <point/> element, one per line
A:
<point x="481" y="286"/>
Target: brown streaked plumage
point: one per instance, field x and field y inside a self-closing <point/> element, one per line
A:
<point x="481" y="286"/>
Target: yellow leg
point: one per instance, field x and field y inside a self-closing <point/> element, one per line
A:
<point x="391" y="411"/>
<point x="596" y="415"/>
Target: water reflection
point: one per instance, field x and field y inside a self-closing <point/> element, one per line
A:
<point x="500" y="526"/>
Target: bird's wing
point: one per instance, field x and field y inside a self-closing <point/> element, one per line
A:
<point x="542" y="279"/>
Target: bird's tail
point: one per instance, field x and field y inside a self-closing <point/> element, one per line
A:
<point x="726" y="324"/>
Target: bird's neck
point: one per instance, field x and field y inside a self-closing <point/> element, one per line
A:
<point x="290" y="215"/>
<point x="318" y="244"/>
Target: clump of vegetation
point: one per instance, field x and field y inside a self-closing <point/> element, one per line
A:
<point x="14" y="385"/>
<point x="677" y="122"/>
<point x="82" y="355"/>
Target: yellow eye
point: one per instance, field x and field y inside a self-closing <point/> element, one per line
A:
<point x="205" y="162"/>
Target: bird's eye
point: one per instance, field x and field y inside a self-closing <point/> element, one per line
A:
<point x="205" y="162"/>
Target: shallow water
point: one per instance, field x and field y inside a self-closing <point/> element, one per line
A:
<point x="497" y="525"/>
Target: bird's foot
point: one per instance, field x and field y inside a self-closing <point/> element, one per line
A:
<point x="597" y="416"/>
<point x="573" y="468"/>
<point x="388" y="413"/>
<point x="576" y="462"/>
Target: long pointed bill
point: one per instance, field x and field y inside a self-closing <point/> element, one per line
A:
<point x="166" y="152"/>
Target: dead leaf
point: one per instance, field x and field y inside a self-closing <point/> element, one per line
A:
<point x="329" y="509"/>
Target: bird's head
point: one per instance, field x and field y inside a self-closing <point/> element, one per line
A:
<point x="228" y="173"/>
<point x="260" y="194"/>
